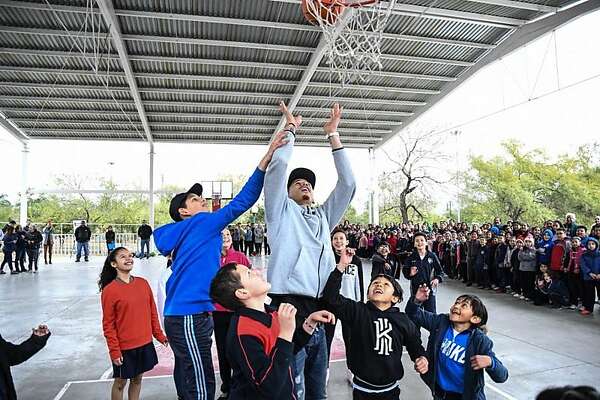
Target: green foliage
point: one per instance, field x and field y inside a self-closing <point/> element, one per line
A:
<point x="354" y="217"/>
<point x="7" y="210"/>
<point x="529" y="186"/>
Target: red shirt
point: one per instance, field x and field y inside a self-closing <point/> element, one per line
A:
<point x="232" y="256"/>
<point x="129" y="316"/>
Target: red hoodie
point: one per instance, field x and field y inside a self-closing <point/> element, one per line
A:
<point x="558" y="255"/>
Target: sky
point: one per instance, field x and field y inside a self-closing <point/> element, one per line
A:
<point x="545" y="95"/>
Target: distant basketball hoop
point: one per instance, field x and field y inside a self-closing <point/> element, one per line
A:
<point x="354" y="49"/>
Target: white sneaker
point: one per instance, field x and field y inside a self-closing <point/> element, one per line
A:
<point x="573" y="307"/>
<point x="516" y="295"/>
<point x="522" y="297"/>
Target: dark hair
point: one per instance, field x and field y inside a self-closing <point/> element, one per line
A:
<point x="10" y="229"/>
<point x="582" y="227"/>
<point x="398" y="292"/>
<point x="478" y="308"/>
<point x="419" y="234"/>
<point x="224" y="285"/>
<point x="109" y="273"/>
<point x="569" y="393"/>
<point x="339" y="230"/>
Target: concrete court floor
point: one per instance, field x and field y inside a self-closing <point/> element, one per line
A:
<point x="540" y="346"/>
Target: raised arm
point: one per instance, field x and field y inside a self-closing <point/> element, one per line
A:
<point x="338" y="201"/>
<point x="252" y="189"/>
<point x="276" y="193"/>
<point x="345" y="309"/>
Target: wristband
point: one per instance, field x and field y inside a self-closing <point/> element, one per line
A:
<point x="329" y="135"/>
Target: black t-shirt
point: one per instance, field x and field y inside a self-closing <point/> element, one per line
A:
<point x="3" y="395"/>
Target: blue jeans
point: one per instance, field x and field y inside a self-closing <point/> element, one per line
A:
<point x="86" y="250"/>
<point x="310" y="368"/>
<point x="190" y="337"/>
<point x="145" y="243"/>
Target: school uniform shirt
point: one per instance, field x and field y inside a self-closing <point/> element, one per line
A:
<point x="428" y="268"/>
<point x="261" y="361"/>
<point x="129" y="316"/>
<point x="353" y="286"/>
<point x="374" y="339"/>
<point x="451" y="361"/>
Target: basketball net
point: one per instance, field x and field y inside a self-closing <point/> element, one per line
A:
<point x="354" y="51"/>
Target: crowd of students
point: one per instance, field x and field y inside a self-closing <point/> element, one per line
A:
<point x="556" y="263"/>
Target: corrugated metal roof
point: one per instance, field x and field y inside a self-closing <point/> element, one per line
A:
<point x="214" y="70"/>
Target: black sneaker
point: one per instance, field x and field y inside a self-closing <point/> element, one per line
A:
<point x="86" y="260"/>
<point x="75" y="261"/>
<point x="2" y="273"/>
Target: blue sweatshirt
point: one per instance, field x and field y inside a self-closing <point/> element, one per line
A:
<point x="196" y="245"/>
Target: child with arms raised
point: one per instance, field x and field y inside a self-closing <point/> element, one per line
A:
<point x="458" y="350"/>
<point x="375" y="334"/>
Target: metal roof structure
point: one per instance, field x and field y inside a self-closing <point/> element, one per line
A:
<point x="213" y="71"/>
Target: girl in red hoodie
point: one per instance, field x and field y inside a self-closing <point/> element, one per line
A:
<point x="129" y="321"/>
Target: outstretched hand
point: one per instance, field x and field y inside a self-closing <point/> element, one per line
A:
<point x="334" y="119"/>
<point x="290" y="119"/>
<point x="345" y="258"/>
<point x="41" y="330"/>
<point x="422" y="293"/>
<point x="280" y="140"/>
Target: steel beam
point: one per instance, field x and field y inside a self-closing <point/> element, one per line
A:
<point x="244" y="106"/>
<point x="519" y="5"/>
<point x="13" y="130"/>
<point x="518" y="39"/>
<point x="169" y="39"/>
<point x="444" y="14"/>
<point x="111" y="20"/>
<point x="34" y="85"/>
<point x="211" y="78"/>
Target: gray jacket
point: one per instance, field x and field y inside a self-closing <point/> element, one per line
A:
<point x="527" y="260"/>
<point x="301" y="254"/>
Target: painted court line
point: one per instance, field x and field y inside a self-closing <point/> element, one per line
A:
<point x="500" y="392"/>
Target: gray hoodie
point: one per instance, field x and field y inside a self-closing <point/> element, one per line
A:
<point x="301" y="255"/>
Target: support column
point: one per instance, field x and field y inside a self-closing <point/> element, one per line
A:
<point x="151" y="188"/>
<point x="373" y="189"/>
<point x="24" y="199"/>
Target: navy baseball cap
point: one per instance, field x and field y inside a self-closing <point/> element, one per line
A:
<point x="302" y="173"/>
<point x="178" y="201"/>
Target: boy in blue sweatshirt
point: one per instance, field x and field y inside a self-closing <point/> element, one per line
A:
<point x="458" y="350"/>
<point x="194" y="243"/>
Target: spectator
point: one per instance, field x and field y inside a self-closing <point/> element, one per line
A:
<point x="20" y="250"/>
<point x="384" y="263"/>
<point x="144" y="233"/>
<point x="423" y="268"/>
<point x="236" y="238"/>
<point x="83" y="234"/>
<point x="249" y="240"/>
<point x="15" y="354"/>
<point x="559" y="255"/>
<point x="590" y="269"/>
<point x="259" y="235"/>
<point x="10" y="244"/>
<point x="570" y="225"/>
<point x="109" y="236"/>
<point x="34" y="240"/>
<point x="574" y="279"/>
<point x="527" y="268"/>
<point x="48" y="233"/>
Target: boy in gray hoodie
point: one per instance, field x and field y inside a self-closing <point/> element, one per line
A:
<point x="301" y="255"/>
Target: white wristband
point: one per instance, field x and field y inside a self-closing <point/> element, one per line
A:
<point x="329" y="135"/>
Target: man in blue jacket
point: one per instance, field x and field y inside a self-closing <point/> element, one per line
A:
<point x="194" y="243"/>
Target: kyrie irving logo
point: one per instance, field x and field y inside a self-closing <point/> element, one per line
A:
<point x="383" y="340"/>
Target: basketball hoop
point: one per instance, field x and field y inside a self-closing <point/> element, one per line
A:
<point x="354" y="51"/>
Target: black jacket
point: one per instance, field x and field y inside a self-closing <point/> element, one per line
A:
<point x="83" y="234"/>
<point x="428" y="268"/>
<point x="261" y="361"/>
<point x="374" y="339"/>
<point x="15" y="354"/>
<point x="144" y="232"/>
<point x="34" y="240"/>
<point x="383" y="265"/>
<point x="109" y="236"/>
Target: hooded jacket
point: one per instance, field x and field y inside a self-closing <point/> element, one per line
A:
<point x="428" y="268"/>
<point x="195" y="244"/>
<point x="478" y="344"/>
<point x="375" y="362"/>
<point x="301" y="254"/>
<point x="590" y="261"/>
<point x="547" y="245"/>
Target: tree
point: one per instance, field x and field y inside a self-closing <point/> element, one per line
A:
<point x="7" y="210"/>
<point x="530" y="186"/>
<point x="406" y="190"/>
